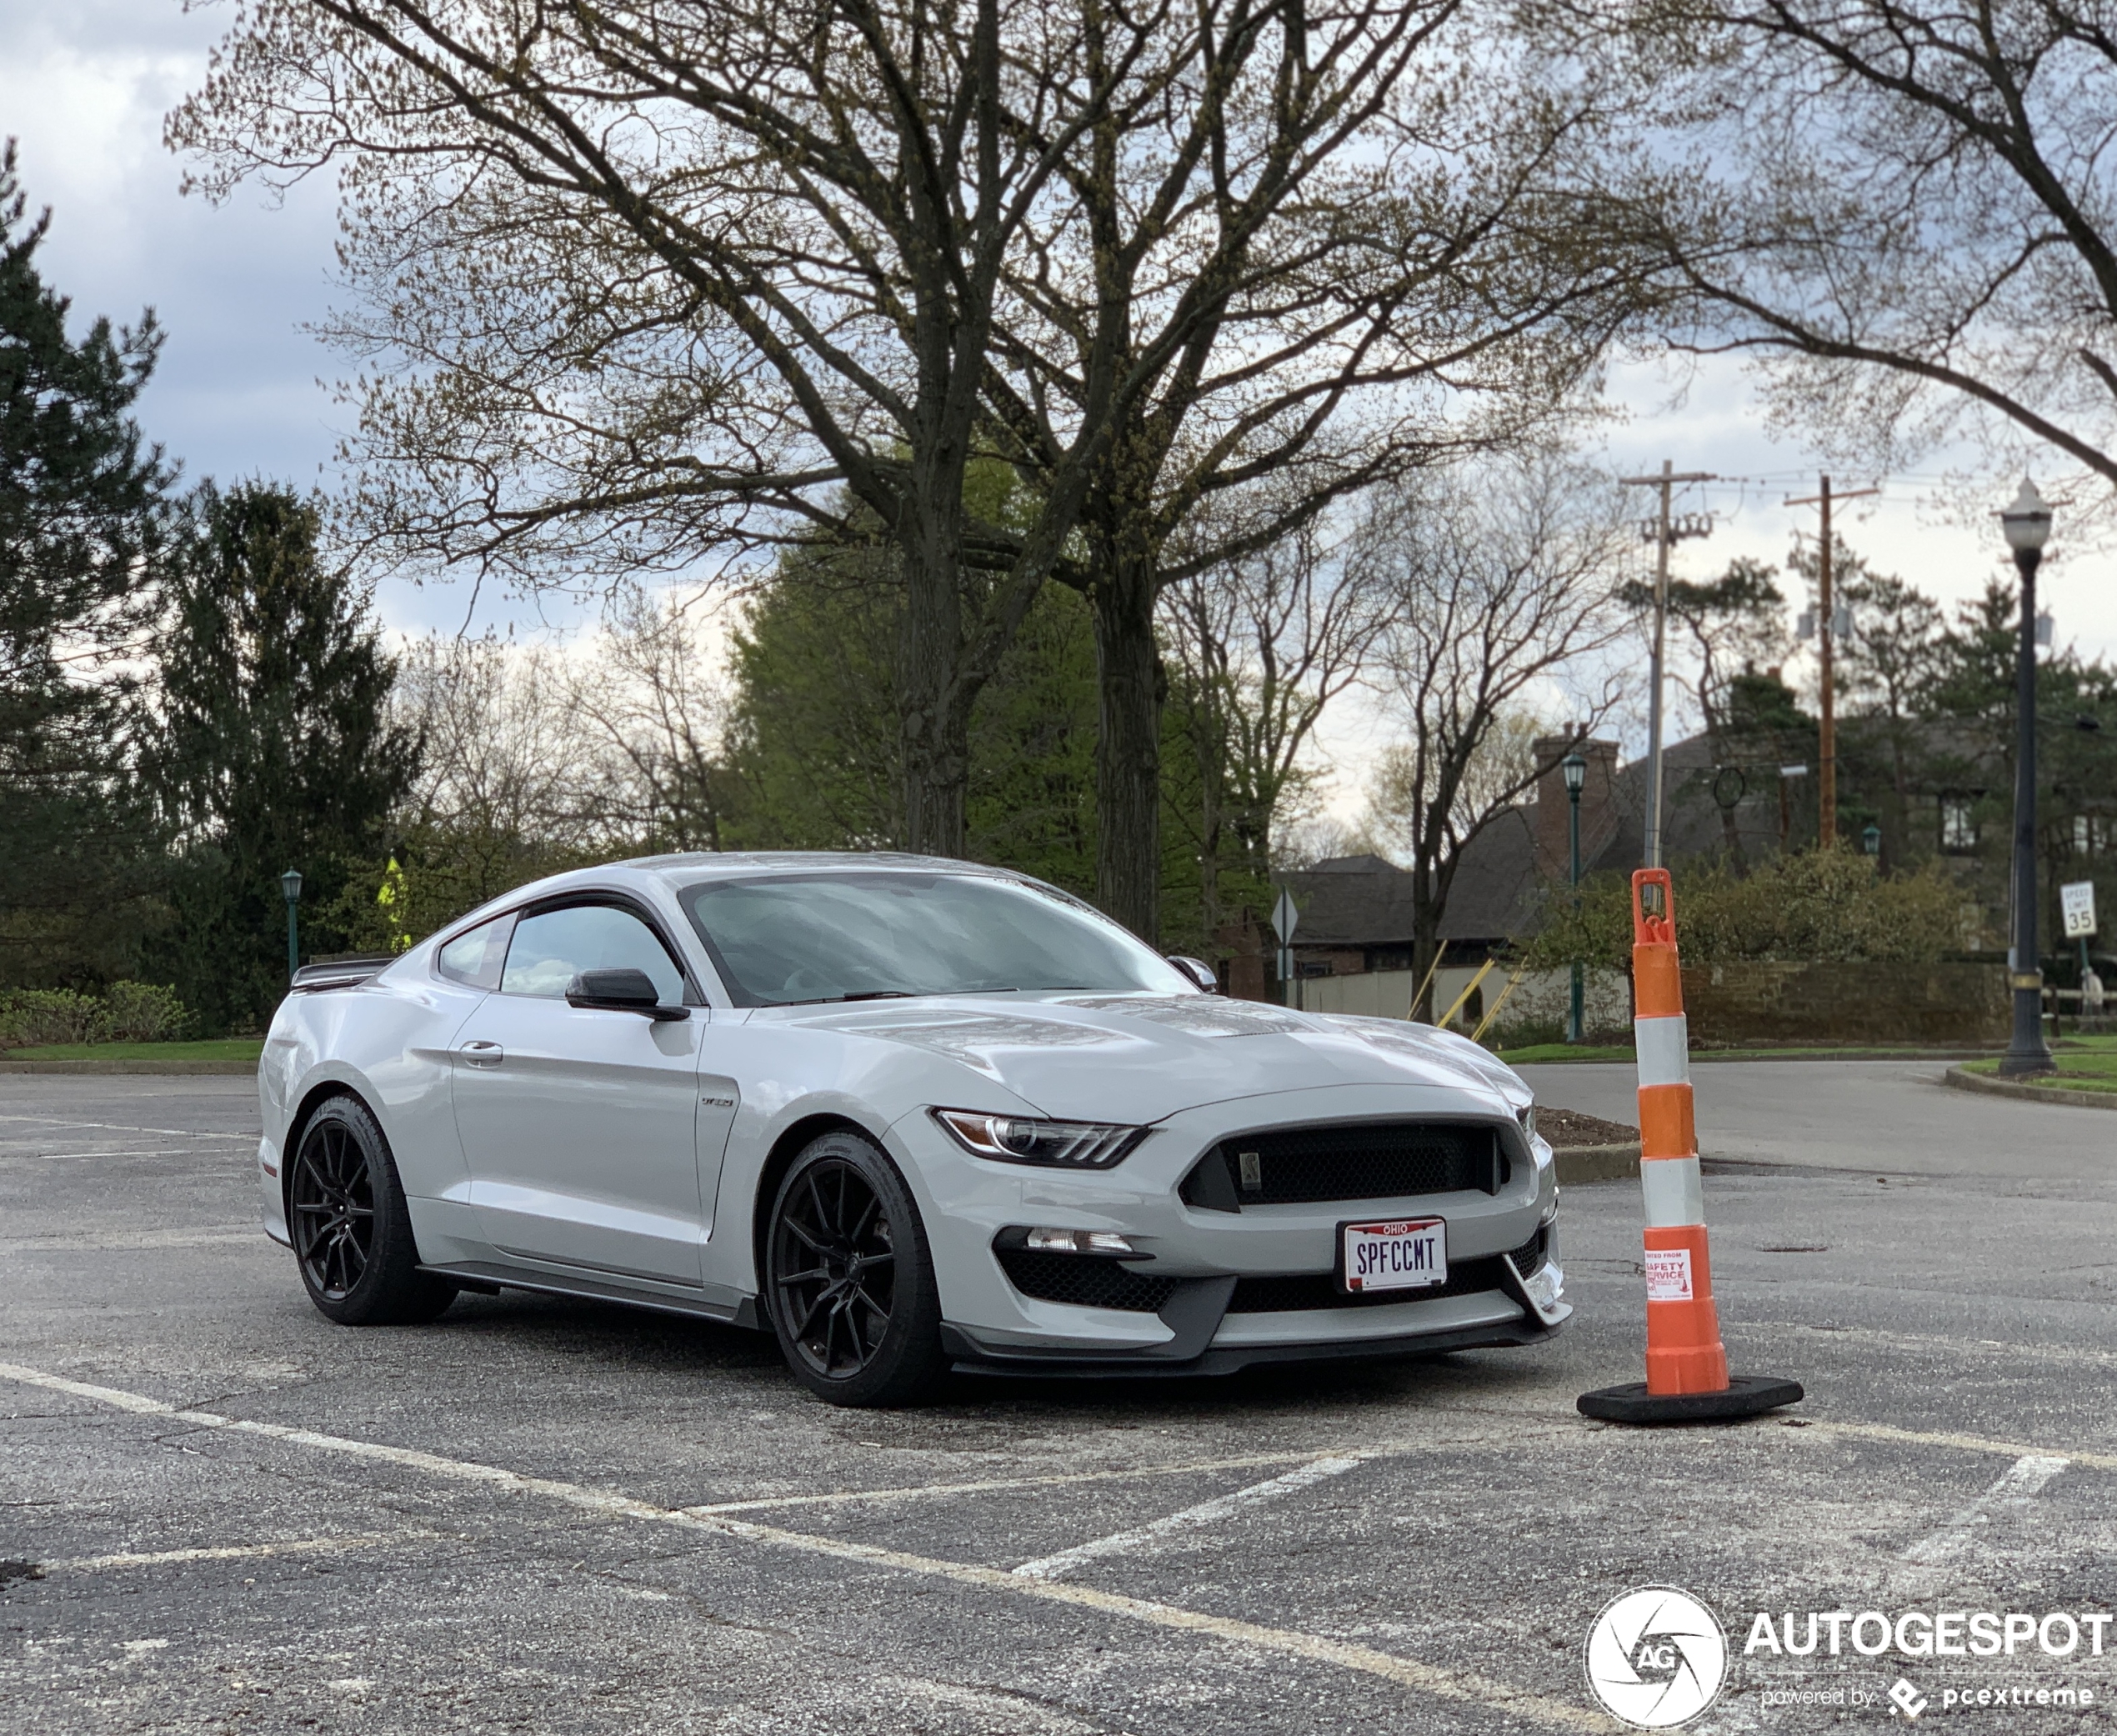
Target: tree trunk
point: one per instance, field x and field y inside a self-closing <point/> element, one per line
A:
<point x="935" y="716"/>
<point x="1128" y="751"/>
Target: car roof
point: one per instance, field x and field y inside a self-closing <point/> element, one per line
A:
<point x="692" y="867"/>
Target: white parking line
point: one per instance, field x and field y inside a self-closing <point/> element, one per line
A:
<point x="232" y="1552"/>
<point x="1191" y="1518"/>
<point x="206" y="1235"/>
<point x="1516" y="1428"/>
<point x="1827" y="1427"/>
<point x="123" y="1127"/>
<point x="53" y="1157"/>
<point x="2016" y="1487"/>
<point x="1457" y="1685"/>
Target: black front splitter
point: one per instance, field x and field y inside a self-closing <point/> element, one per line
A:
<point x="971" y="1358"/>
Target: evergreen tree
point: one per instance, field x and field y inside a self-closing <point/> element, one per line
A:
<point x="271" y="749"/>
<point x="81" y="522"/>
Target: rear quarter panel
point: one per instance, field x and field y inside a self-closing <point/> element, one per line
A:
<point x="388" y="1043"/>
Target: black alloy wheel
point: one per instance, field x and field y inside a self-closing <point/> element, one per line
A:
<point x="851" y="1286"/>
<point x="352" y="1229"/>
<point x="334" y="1209"/>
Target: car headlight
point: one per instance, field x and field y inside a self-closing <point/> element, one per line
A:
<point x="1024" y="1139"/>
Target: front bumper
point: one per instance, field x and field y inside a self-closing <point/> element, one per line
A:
<point x="993" y="1327"/>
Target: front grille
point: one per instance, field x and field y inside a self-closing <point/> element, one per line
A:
<point x="1084" y="1280"/>
<point x="1367" y="1160"/>
<point x="1310" y="1290"/>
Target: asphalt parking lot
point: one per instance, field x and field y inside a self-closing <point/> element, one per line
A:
<point x="219" y="1512"/>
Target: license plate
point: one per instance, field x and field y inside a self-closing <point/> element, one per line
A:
<point x="1401" y="1254"/>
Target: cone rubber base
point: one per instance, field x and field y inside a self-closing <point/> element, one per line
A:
<point x="1747" y="1395"/>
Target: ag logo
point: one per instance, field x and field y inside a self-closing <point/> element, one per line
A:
<point x="1657" y="1658"/>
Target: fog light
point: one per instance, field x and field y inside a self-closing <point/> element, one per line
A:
<point x="1079" y="1241"/>
<point x="1545" y="1286"/>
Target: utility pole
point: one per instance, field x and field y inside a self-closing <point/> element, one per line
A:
<point x="1664" y="534"/>
<point x="1826" y="791"/>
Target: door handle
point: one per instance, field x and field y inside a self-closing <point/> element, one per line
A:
<point x="478" y="1052"/>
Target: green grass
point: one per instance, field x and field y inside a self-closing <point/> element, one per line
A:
<point x="213" y="1048"/>
<point x="2084" y="1064"/>
<point x="1565" y="1052"/>
<point x="1538" y="1052"/>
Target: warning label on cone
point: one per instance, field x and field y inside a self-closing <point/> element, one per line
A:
<point x="1669" y="1274"/>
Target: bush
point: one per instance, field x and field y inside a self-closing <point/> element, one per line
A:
<point x="31" y="1015"/>
<point x="130" y="1012"/>
<point x="143" y="1012"/>
<point x="1816" y="906"/>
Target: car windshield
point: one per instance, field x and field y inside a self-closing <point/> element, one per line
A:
<point x="844" y="936"/>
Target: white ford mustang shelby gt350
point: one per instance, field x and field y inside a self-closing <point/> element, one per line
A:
<point x="907" y="1114"/>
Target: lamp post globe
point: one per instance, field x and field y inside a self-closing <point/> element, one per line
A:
<point x="1575" y="770"/>
<point x="2026" y="522"/>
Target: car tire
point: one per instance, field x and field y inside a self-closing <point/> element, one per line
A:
<point x="351" y="1230"/>
<point x="849" y="1280"/>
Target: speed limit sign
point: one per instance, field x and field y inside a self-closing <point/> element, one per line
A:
<point x="2077" y="904"/>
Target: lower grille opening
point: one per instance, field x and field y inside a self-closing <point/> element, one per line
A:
<point x="1308" y="1290"/>
<point x="1084" y="1281"/>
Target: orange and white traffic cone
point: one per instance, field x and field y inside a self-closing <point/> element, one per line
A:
<point x="1687" y="1367"/>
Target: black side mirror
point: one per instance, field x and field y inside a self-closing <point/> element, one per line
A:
<point x="621" y="991"/>
<point x="1198" y="971"/>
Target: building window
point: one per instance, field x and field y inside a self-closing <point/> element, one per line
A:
<point x="1958" y="825"/>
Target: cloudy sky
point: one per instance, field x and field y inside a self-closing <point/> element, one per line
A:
<point x="243" y="390"/>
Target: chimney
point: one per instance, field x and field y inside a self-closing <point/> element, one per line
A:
<point x="1598" y="810"/>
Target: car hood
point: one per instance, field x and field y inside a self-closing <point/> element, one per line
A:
<point x="1136" y="1058"/>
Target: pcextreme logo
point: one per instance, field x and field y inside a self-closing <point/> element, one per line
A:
<point x="1656" y="1658"/>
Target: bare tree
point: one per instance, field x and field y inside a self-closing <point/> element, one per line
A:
<point x="1505" y="576"/>
<point x="1312" y="294"/>
<point x="1264" y="644"/>
<point x="637" y="277"/>
<point x="1904" y="207"/>
<point x="653" y="696"/>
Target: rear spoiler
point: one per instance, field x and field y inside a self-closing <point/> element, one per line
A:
<point x="339" y="973"/>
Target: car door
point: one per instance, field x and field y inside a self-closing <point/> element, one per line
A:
<point x="579" y="1125"/>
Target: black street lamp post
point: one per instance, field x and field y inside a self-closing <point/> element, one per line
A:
<point x="1575" y="771"/>
<point x="2027" y="523"/>
<point x="290" y="883"/>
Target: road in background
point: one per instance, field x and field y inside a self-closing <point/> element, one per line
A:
<point x="1894" y="1115"/>
<point x="219" y="1512"/>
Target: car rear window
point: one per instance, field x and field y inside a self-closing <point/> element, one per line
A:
<point x="473" y="957"/>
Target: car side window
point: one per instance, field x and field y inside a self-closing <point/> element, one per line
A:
<point x="473" y="957"/>
<point x="552" y="948"/>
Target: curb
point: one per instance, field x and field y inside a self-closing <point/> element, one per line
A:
<point x="224" y="1070"/>
<point x="2033" y="1093"/>
<point x="1579" y="1163"/>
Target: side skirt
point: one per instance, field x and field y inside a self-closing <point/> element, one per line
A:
<point x="480" y="1275"/>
